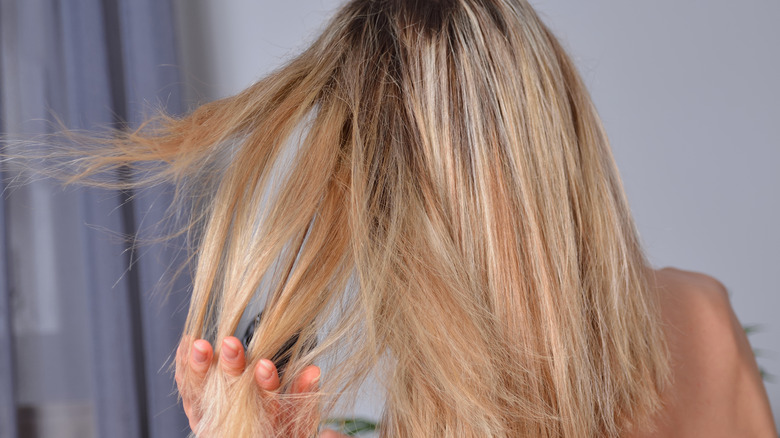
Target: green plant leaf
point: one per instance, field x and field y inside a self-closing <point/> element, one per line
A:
<point x="352" y="426"/>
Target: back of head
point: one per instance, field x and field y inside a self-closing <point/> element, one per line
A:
<point x="451" y="216"/>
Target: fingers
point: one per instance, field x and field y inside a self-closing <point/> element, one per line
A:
<point x="200" y="360"/>
<point x="192" y="368"/>
<point x="231" y="357"/>
<point x="305" y="413"/>
<point x="190" y="373"/>
<point x="266" y="375"/>
<point x="308" y="381"/>
<point x="267" y="378"/>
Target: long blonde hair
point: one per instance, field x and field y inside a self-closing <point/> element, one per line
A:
<point x="429" y="191"/>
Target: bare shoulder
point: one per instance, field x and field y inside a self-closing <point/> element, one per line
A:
<point x="697" y="304"/>
<point x="716" y="388"/>
<point x="691" y="285"/>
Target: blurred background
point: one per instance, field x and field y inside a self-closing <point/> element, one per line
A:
<point x="688" y="92"/>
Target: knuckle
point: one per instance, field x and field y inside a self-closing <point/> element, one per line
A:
<point x="225" y="365"/>
<point x="233" y="367"/>
<point x="199" y="370"/>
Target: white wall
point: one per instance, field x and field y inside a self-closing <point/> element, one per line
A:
<point x="689" y="94"/>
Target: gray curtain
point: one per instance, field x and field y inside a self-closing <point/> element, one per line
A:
<point x="86" y="337"/>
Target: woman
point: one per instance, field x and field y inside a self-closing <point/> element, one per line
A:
<point x="428" y="192"/>
<point x="717" y="391"/>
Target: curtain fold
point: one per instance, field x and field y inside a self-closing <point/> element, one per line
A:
<point x="7" y="387"/>
<point x="90" y="336"/>
<point x="7" y="395"/>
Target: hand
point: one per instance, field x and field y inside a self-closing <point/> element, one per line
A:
<point x="233" y="362"/>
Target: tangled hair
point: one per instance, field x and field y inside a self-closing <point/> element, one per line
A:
<point x="429" y="191"/>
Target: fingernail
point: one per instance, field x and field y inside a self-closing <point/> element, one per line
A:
<point x="198" y="353"/>
<point x="314" y="386"/>
<point x="264" y="371"/>
<point x="231" y="352"/>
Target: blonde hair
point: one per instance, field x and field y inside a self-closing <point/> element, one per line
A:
<point x="451" y="216"/>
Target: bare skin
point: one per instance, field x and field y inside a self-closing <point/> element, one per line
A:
<point x="232" y="362"/>
<point x="716" y="390"/>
